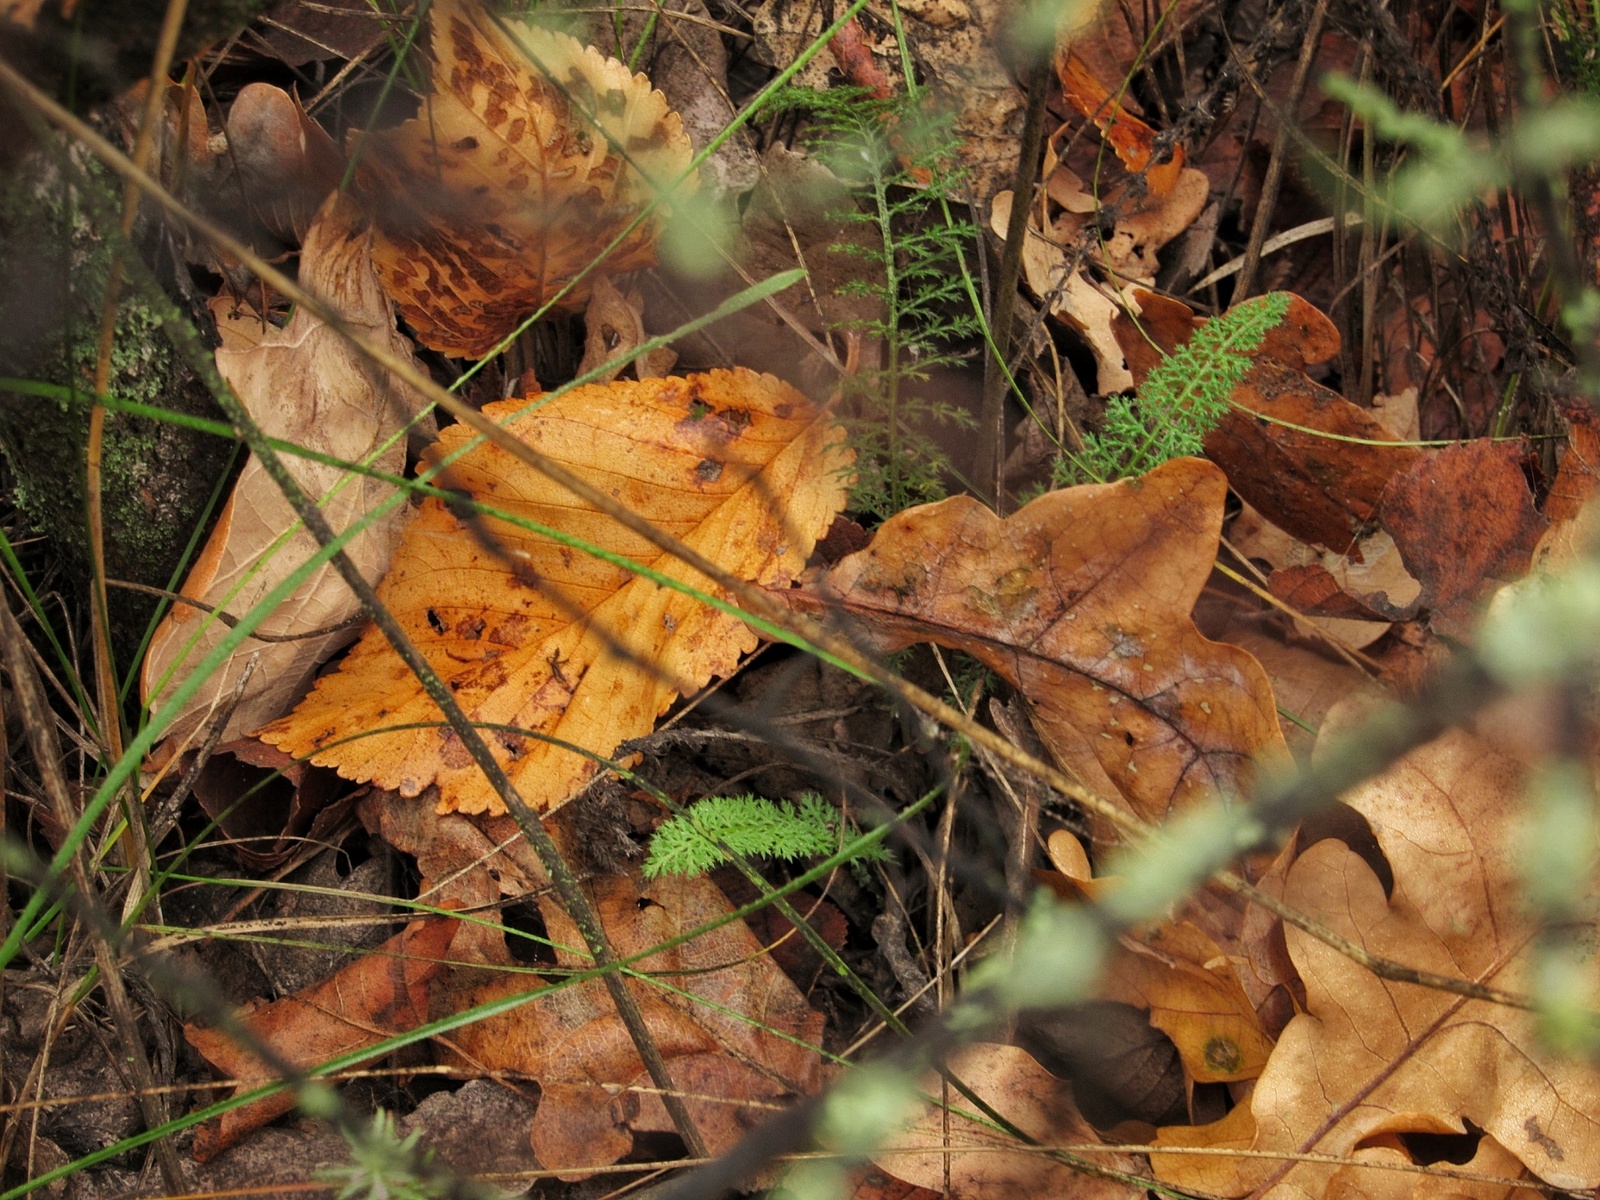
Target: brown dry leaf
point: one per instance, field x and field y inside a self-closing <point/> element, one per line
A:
<point x="1295" y="467"/>
<point x="1372" y="1059"/>
<point x="1456" y="523"/>
<point x="739" y="466"/>
<point x="613" y="327"/>
<point x="532" y="153"/>
<point x="1055" y="260"/>
<point x="737" y="1035"/>
<point x="378" y="995"/>
<point x="306" y="384"/>
<point x="1285" y="443"/>
<point x="1072" y="296"/>
<point x="1178" y="974"/>
<point x="1081" y="600"/>
<point x="983" y="1162"/>
<point x="286" y="163"/>
<point x="1463" y="520"/>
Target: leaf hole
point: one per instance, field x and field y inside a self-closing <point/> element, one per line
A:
<point x="527" y="939"/>
<point x="436" y="622"/>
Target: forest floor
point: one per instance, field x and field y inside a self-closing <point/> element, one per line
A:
<point x="757" y="600"/>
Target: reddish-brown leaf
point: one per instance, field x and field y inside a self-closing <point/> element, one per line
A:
<point x="1463" y="520"/>
<point x="735" y="1032"/>
<point x="1288" y="454"/>
<point x="378" y="995"/>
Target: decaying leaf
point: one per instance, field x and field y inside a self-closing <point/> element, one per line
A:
<point x="306" y="384"/>
<point x="378" y="995"/>
<point x="1374" y="1059"/>
<point x="1064" y="241"/>
<point x="532" y="153"/>
<point x="1081" y="600"/>
<point x="1177" y="973"/>
<point x="1463" y="520"/>
<point x="543" y="640"/>
<point x="735" y="1032"/>
<point x="1181" y="977"/>
<point x="962" y="1150"/>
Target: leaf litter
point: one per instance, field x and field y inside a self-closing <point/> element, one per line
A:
<point x="538" y="172"/>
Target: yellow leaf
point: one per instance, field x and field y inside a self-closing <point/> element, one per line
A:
<point x="530" y="155"/>
<point x="739" y="466"/>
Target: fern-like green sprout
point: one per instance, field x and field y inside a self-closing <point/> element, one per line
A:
<point x="900" y="156"/>
<point x="702" y="838"/>
<point x="1181" y="400"/>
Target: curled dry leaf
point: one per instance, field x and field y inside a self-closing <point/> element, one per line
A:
<point x="378" y="995"/>
<point x="532" y="153"/>
<point x="735" y="1032"/>
<point x="1082" y="601"/>
<point x="546" y="641"/>
<point x="962" y="1150"/>
<point x="286" y="162"/>
<point x="1056" y="257"/>
<point x="1373" y="1059"/>
<point x="305" y="384"/>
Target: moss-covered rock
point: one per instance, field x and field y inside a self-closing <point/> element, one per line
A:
<point x="156" y="476"/>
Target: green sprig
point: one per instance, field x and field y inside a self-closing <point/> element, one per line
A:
<point x="709" y="833"/>
<point x="1181" y="400"/>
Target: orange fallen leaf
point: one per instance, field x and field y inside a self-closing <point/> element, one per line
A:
<point x="736" y="1034"/>
<point x="1131" y="138"/>
<point x="303" y="383"/>
<point x="1181" y="977"/>
<point x="962" y="1150"/>
<point x="1372" y="1058"/>
<point x="383" y="993"/>
<point x="1082" y="601"/>
<point x="740" y="466"/>
<point x="532" y="153"/>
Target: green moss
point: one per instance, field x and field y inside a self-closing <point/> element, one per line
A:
<point x="156" y="477"/>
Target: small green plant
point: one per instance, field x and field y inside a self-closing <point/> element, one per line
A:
<point x="700" y="839"/>
<point x="1180" y="401"/>
<point x="385" y="1166"/>
<point x="900" y="158"/>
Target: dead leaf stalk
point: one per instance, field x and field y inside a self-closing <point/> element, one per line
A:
<point x="996" y="375"/>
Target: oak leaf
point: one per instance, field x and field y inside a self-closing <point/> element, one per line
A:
<point x="303" y="383"/>
<point x="735" y="1032"/>
<point x="378" y="995"/>
<point x="964" y="1152"/>
<point x="532" y="153"/>
<point x="1373" y="1059"/>
<point x="1082" y="601"/>
<point x="563" y="644"/>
